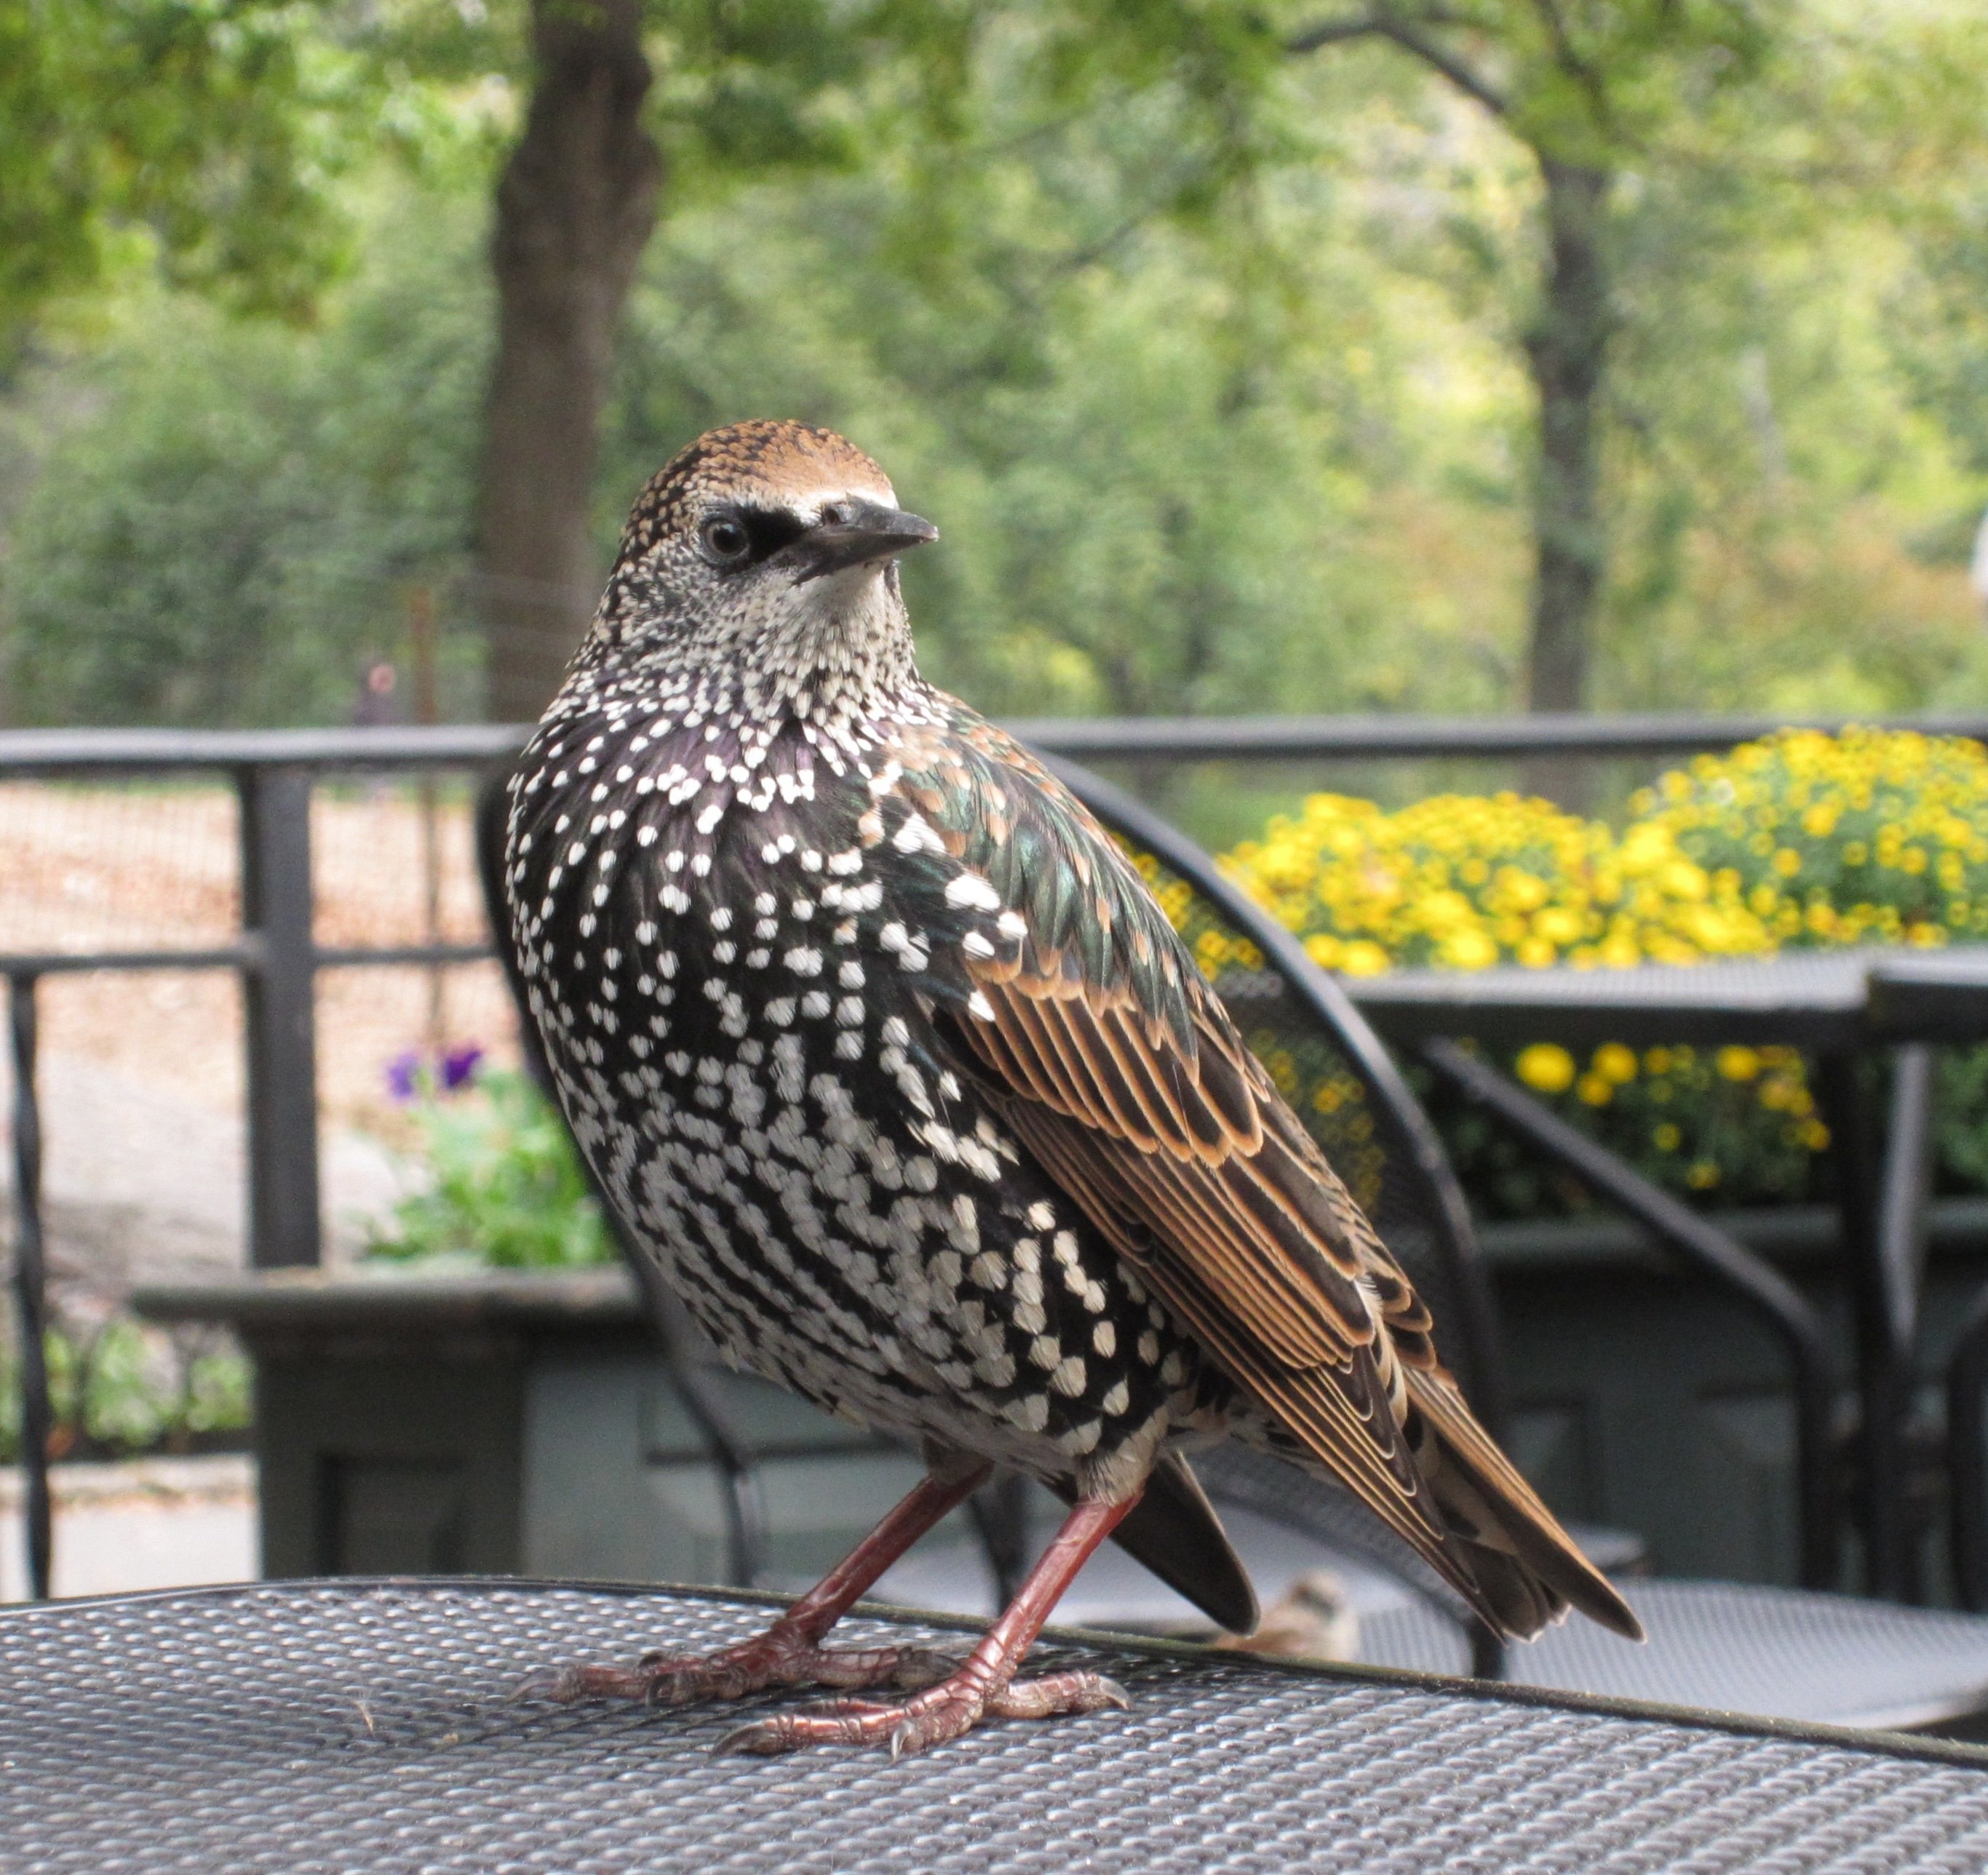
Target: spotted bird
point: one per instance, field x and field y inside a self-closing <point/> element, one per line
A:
<point x="883" y="1052"/>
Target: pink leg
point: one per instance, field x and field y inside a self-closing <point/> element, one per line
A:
<point x="983" y="1685"/>
<point x="789" y="1652"/>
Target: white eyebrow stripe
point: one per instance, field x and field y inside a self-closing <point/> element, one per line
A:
<point x="808" y="503"/>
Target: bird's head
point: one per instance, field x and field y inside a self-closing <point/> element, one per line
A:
<point x="764" y="556"/>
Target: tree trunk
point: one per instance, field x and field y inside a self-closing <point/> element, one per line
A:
<point x="1568" y="349"/>
<point x="575" y="208"/>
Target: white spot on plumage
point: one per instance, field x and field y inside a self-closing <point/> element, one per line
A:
<point x="970" y="888"/>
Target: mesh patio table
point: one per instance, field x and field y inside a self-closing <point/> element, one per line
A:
<point x="376" y="1726"/>
<point x="1816" y="1001"/>
<point x="1834" y="1006"/>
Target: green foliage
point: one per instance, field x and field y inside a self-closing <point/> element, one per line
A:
<point x="507" y="1189"/>
<point x="227" y="518"/>
<point x="1153" y="450"/>
<point x="1206" y="359"/>
<point x="127" y="1388"/>
<point x="208" y="123"/>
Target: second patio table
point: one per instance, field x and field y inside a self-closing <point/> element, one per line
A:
<point x="1835" y="1007"/>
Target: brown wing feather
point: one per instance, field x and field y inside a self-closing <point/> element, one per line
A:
<point x="1191" y="1162"/>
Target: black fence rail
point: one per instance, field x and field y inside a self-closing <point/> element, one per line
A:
<point x="277" y="958"/>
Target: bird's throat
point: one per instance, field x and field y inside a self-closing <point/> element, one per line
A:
<point x="833" y="658"/>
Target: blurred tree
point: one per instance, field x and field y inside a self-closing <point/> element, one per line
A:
<point x="226" y="512"/>
<point x="575" y="207"/>
<point x="1582" y="85"/>
<point x="1585" y="88"/>
<point x="217" y="125"/>
<point x="1217" y="389"/>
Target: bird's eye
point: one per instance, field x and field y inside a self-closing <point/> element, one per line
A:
<point x="726" y="540"/>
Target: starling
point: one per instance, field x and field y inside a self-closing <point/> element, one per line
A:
<point x="880" y="1048"/>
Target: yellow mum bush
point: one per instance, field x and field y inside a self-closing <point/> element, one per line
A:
<point x="1799" y="838"/>
<point x="1464" y="881"/>
<point x="1872" y="837"/>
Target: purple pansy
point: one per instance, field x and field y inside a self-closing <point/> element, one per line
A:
<point x="403" y="1075"/>
<point x="411" y="1075"/>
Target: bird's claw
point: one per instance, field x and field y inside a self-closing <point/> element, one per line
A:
<point x="948" y="1710"/>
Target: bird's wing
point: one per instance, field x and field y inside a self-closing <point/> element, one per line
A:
<point x="1121" y="1073"/>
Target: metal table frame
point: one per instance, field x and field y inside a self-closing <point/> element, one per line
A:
<point x="1836" y="1008"/>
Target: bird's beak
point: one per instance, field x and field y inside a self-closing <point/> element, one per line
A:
<point x="861" y="532"/>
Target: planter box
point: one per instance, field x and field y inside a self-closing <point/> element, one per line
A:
<point x="526" y="1424"/>
<point x="511" y="1424"/>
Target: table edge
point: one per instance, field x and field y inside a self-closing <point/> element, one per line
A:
<point x="1880" y="1743"/>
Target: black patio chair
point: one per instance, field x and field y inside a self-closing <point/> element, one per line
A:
<point x="1804" y="1652"/>
<point x="1967" y="1456"/>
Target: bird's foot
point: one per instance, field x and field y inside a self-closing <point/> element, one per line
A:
<point x="775" y="1658"/>
<point x="948" y="1710"/>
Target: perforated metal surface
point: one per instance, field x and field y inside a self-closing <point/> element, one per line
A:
<point x="370" y="1727"/>
<point x="1816" y="1000"/>
<point x="1737" y="1647"/>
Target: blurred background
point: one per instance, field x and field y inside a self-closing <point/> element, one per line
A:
<point x="1302" y="357"/>
<point x="1252" y="356"/>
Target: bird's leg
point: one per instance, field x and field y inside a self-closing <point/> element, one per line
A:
<point x="789" y="1653"/>
<point x="983" y="1685"/>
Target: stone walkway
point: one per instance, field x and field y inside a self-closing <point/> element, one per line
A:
<point x="151" y="1523"/>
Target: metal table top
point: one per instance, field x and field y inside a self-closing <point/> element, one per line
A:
<point x="1817" y="1000"/>
<point x="373" y="1726"/>
<point x="1932" y="995"/>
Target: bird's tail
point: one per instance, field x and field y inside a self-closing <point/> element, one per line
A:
<point x="1523" y="1571"/>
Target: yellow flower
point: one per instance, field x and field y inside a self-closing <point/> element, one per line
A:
<point x="1737" y="1064"/>
<point x="1547" y="1066"/>
<point x="1469" y="949"/>
<point x="1802" y="838"/>
<point x="1614" y="1063"/>
<point x="1361" y="958"/>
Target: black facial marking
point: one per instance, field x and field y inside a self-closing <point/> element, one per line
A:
<point x="766" y="532"/>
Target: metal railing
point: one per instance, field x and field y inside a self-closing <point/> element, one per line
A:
<point x="277" y="958"/>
